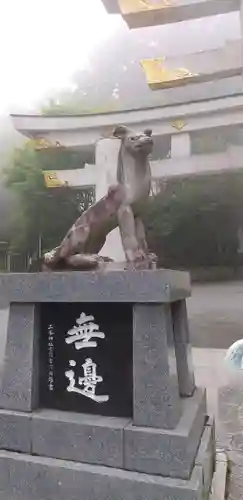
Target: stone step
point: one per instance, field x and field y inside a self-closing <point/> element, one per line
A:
<point x="26" y="477"/>
<point x="109" y="441"/>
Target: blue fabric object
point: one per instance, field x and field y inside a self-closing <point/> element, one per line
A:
<point x="234" y="355"/>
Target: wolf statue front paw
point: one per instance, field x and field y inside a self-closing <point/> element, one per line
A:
<point x="153" y="259"/>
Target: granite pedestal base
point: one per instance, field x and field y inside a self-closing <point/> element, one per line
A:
<point x="27" y="476"/>
<point x="164" y="449"/>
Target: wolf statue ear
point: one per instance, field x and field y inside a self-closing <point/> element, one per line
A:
<point x="148" y="132"/>
<point x="120" y="132"/>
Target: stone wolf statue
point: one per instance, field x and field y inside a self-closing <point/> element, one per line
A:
<point x="120" y="207"/>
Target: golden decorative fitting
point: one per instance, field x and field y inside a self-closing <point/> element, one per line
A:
<point x="179" y="124"/>
<point x="159" y="77"/>
<point x="132" y="6"/>
<point x="51" y="179"/>
<point x="42" y="143"/>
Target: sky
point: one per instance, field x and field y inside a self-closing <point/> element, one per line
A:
<point x="43" y="43"/>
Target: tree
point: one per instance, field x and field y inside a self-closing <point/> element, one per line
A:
<point x="194" y="222"/>
<point x="44" y="214"/>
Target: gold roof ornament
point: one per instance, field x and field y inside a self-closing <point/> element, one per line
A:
<point x="141" y="13"/>
<point x="160" y="77"/>
<point x="129" y="6"/>
<point x="179" y="124"/>
<point x="42" y="143"/>
<point x="52" y="180"/>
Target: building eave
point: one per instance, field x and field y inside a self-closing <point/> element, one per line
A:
<point x="183" y="10"/>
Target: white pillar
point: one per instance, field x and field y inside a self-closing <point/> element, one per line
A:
<point x="106" y="157"/>
<point x="180" y="145"/>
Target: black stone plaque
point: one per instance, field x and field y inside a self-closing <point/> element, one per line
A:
<point x="86" y="358"/>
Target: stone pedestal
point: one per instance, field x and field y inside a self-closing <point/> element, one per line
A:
<point x="98" y="395"/>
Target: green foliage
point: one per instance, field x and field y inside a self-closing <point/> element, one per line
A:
<point x="43" y="213"/>
<point x="194" y="222"/>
